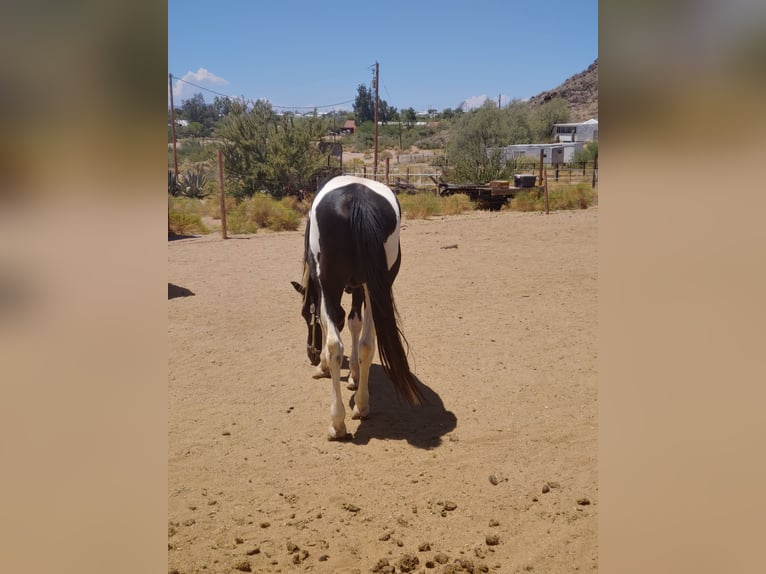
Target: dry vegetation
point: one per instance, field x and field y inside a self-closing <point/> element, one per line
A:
<point x="261" y="212"/>
<point x="562" y="196"/>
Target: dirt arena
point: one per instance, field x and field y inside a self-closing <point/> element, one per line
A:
<point x="498" y="473"/>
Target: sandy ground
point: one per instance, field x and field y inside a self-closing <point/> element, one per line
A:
<point x="498" y="473"/>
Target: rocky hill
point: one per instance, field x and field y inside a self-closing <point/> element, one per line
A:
<point x="580" y="91"/>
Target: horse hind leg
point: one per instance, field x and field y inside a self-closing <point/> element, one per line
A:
<point x="355" y="327"/>
<point x="322" y="370"/>
<point x="334" y="356"/>
<point x="366" y="353"/>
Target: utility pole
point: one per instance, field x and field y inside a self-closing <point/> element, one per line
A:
<point x="173" y="126"/>
<point x="375" y="158"/>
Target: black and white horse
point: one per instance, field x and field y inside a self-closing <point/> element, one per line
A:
<point x="352" y="244"/>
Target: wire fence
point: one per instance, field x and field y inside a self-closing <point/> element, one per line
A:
<point x="421" y="179"/>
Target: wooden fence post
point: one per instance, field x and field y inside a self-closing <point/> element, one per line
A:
<point x="595" y="169"/>
<point x="223" y="195"/>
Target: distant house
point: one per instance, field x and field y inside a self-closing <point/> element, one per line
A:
<point x="349" y="127"/>
<point x="552" y="153"/>
<point x="576" y="132"/>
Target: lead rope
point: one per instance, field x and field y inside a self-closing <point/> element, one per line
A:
<point x="314" y="319"/>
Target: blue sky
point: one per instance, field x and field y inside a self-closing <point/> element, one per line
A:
<point x="431" y="53"/>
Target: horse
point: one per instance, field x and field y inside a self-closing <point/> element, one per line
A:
<point x="352" y="244"/>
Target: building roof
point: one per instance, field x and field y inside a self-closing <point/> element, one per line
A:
<point x="591" y="121"/>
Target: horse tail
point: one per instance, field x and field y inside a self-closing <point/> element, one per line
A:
<point x="368" y="234"/>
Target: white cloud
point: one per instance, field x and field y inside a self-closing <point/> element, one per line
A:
<point x="478" y="101"/>
<point x="202" y="77"/>
<point x="474" y="102"/>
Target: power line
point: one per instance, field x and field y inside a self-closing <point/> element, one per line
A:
<point x="246" y="101"/>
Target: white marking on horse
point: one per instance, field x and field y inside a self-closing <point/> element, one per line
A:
<point x="367" y="219"/>
<point x="391" y="244"/>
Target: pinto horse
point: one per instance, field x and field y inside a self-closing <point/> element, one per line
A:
<point x="352" y="245"/>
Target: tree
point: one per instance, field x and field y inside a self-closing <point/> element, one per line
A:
<point x="222" y="106"/>
<point x="294" y="159"/>
<point x="468" y="150"/>
<point x="516" y="123"/>
<point x="266" y="152"/>
<point x="386" y="113"/>
<point x="409" y="117"/>
<point x="541" y="119"/>
<point x="245" y="147"/>
<point x="364" y="105"/>
<point x="586" y="155"/>
<point x="196" y="110"/>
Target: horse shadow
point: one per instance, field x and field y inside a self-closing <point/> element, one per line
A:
<point x="178" y="291"/>
<point x="392" y="418"/>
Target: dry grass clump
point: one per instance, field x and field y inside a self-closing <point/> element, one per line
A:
<point x="262" y="212"/>
<point x="185" y="216"/>
<point x="419" y="205"/>
<point x="565" y="196"/>
<point x="456" y="204"/>
<point x="246" y="216"/>
<point x="426" y="204"/>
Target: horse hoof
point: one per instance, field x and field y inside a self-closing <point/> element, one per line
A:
<point x="337" y="434"/>
<point x="320" y="373"/>
<point x="352" y="385"/>
<point x="358" y="413"/>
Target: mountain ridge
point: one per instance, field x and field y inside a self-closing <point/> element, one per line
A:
<point x="580" y="91"/>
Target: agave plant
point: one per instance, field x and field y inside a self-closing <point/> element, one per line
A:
<point x="193" y="185"/>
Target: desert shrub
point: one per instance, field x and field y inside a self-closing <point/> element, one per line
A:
<point x="456" y="204"/>
<point x="566" y="196"/>
<point x="185" y="216"/>
<point x="300" y="206"/>
<point x="419" y="205"/>
<point x="579" y="196"/>
<point x="426" y="204"/>
<point x="186" y="205"/>
<point x="524" y="201"/>
<point x="261" y="212"/>
<point x="186" y="224"/>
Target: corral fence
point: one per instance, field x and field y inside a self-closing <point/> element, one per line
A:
<point x="421" y="178"/>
